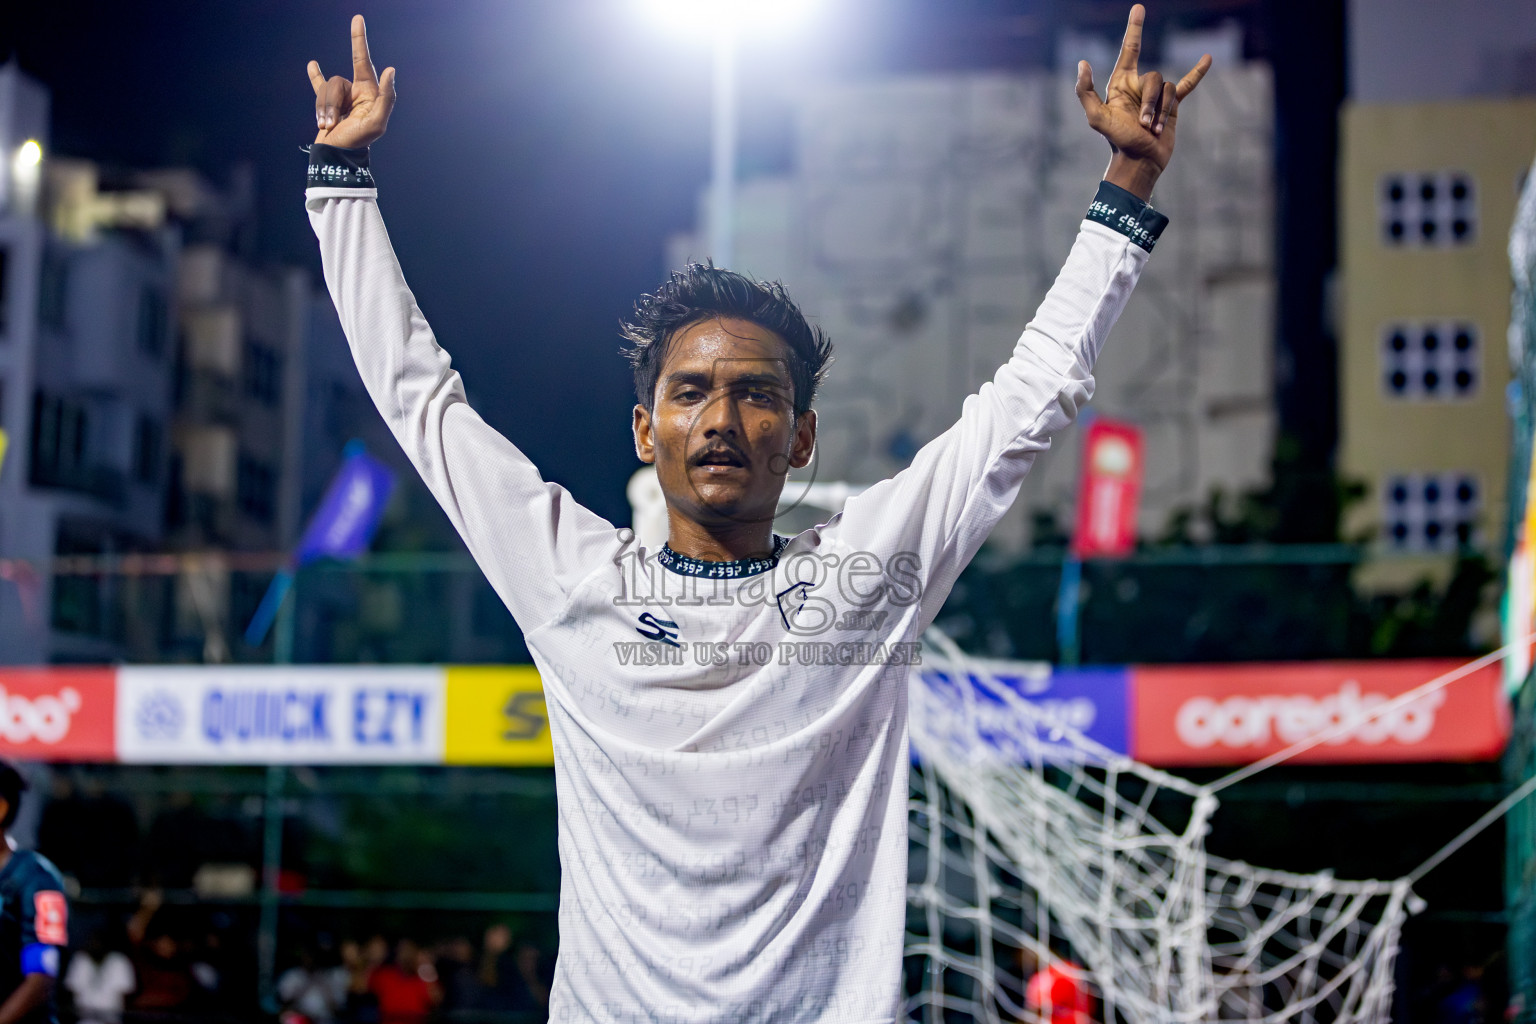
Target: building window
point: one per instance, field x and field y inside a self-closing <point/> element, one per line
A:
<point x="1436" y="361"/>
<point x="1432" y="511"/>
<point x="263" y="374"/>
<point x="78" y="605"/>
<point x="52" y="289"/>
<point x="60" y="451"/>
<point x="5" y="293"/>
<point x="256" y="488"/>
<point x="58" y="439"/>
<point x="1432" y="209"/>
<point x="147" y="439"/>
<point x="151" y="322"/>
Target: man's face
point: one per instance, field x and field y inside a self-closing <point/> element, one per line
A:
<point x="723" y="434"/>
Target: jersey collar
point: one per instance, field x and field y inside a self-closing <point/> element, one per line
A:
<point x="685" y="565"/>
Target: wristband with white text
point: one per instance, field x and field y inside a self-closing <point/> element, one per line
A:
<point x="334" y="167"/>
<point x="1121" y="211"/>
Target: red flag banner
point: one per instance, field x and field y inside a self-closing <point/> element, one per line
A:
<point x="1109" y="490"/>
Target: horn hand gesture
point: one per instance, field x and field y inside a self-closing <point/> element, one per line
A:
<point x="352" y="114"/>
<point x="1138" y="113"/>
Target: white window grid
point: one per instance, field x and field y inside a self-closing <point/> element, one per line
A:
<point x="1431" y="361"/>
<point x="1428" y="210"/>
<point x="1431" y="511"/>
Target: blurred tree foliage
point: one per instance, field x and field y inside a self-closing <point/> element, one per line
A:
<point x="1276" y="601"/>
<point x="441" y="838"/>
<point x="1305" y="503"/>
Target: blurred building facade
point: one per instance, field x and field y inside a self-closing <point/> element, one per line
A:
<point x="926" y="218"/>
<point x="1430" y="170"/>
<point x="236" y="441"/>
<point x="1428" y="191"/>
<point x="86" y="367"/>
<point x="155" y="395"/>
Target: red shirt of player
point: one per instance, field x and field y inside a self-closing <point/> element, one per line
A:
<point x="405" y="997"/>
<point x="1061" y="988"/>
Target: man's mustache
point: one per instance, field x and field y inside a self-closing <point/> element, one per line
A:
<point x="718" y="450"/>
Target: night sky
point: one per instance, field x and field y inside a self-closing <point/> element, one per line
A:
<point x="541" y="153"/>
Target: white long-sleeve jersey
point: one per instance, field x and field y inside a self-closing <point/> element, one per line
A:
<point x="730" y="738"/>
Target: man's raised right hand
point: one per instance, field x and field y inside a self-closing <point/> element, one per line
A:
<point x="353" y="114"/>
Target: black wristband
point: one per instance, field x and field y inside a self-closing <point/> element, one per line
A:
<point x="334" y="167"/>
<point x="1121" y="211"/>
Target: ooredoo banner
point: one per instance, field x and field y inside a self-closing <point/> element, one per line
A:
<point x="57" y="714"/>
<point x="349" y="714"/>
<point x="1234" y="714"/>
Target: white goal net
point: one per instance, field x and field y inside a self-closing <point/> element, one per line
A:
<point x="1038" y="854"/>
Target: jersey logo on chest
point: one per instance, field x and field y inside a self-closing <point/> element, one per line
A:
<point x="660" y="629"/>
<point x="792" y="602"/>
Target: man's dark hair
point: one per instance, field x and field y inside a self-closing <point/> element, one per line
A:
<point x="702" y="291"/>
<point x="12" y="785"/>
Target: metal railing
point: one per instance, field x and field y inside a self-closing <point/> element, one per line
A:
<point x="1216" y="603"/>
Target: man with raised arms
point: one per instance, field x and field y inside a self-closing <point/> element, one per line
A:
<point x="732" y="813"/>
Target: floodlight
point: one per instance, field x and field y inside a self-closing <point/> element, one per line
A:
<point x="732" y="16"/>
<point x="30" y="154"/>
<point x="726" y="24"/>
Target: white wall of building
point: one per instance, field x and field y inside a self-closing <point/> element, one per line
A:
<point x="927" y="217"/>
<point x="1440" y="49"/>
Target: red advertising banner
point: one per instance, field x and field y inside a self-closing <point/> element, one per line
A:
<point x="1234" y="714"/>
<point x="58" y="714"/>
<point x="1109" y="490"/>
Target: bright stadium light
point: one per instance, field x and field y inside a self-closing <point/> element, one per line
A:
<point x="19" y="188"/>
<point x="708" y="17"/>
<point x="725" y="22"/>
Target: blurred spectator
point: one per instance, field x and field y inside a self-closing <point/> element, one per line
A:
<point x="406" y="987"/>
<point x="165" y="978"/>
<point x="535" y="969"/>
<point x="316" y="994"/>
<point x="99" y="980"/>
<point x="512" y="973"/>
<point x="360" y="962"/>
<point x="459" y="976"/>
<point x="1466" y="1003"/>
<point x="206" y="965"/>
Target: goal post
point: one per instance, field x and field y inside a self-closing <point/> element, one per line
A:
<point x="1033" y="847"/>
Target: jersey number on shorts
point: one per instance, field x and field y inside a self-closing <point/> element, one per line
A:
<point x="51" y="918"/>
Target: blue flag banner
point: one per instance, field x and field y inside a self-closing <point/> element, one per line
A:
<point x="342" y="527"/>
<point x="344" y="524"/>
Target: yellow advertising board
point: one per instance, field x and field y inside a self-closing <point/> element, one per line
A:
<point x="496" y="715"/>
<point x="3" y="441"/>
